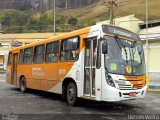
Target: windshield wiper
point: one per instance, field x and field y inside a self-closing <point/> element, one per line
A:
<point x="141" y="54"/>
<point x="122" y="45"/>
<point x="131" y="51"/>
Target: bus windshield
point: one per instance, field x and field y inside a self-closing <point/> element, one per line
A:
<point x="124" y="57"/>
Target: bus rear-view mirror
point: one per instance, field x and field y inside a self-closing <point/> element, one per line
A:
<point x="104" y="47"/>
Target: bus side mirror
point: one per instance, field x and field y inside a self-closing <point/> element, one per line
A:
<point x="104" y="47"/>
<point x="139" y="50"/>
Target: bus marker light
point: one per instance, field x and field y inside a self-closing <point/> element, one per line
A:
<point x="98" y="89"/>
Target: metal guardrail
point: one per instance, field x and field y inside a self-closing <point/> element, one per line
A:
<point x="154" y="81"/>
<point x="154" y="78"/>
<point x="2" y="81"/>
<point x="2" y="77"/>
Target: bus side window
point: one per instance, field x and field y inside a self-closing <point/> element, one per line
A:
<point x="28" y="55"/>
<point x="9" y="59"/>
<point x="52" y="51"/>
<point x="70" y="49"/>
<point x="21" y="57"/>
<point x="39" y="54"/>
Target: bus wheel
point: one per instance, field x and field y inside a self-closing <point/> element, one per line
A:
<point x="71" y="94"/>
<point x="23" y="85"/>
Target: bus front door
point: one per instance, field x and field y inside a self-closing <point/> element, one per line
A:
<point x="89" y="67"/>
<point x="14" y="68"/>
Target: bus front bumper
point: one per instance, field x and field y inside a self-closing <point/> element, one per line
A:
<point x="114" y="94"/>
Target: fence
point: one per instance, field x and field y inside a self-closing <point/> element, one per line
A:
<point x="2" y="77"/>
<point x="154" y="80"/>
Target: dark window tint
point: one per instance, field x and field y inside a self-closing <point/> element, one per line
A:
<point x="39" y="54"/>
<point x="21" y="57"/>
<point x="9" y="59"/>
<point x="52" y="50"/>
<point x="28" y="55"/>
<point x="70" y="49"/>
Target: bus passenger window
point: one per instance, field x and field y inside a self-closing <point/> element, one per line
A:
<point x="52" y="51"/>
<point x="21" y="57"/>
<point x="70" y="49"/>
<point x="28" y="55"/>
<point x="38" y="54"/>
<point x="9" y="59"/>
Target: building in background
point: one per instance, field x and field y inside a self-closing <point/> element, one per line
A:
<point x="8" y="41"/>
<point x="129" y="22"/>
<point x="153" y="52"/>
<point x="5" y="46"/>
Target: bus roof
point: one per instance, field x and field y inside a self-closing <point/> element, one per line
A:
<point x="60" y="37"/>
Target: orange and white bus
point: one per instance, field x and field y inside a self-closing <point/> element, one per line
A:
<point x="101" y="62"/>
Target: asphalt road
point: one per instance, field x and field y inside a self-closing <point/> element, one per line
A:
<point x="38" y="105"/>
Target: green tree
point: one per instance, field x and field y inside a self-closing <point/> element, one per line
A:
<point x="72" y="21"/>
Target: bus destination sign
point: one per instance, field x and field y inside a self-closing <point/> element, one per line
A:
<point x="119" y="31"/>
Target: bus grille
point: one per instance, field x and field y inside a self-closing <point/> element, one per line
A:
<point x="126" y="87"/>
<point x="129" y="86"/>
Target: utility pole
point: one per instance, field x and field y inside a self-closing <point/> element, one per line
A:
<point x="66" y="4"/>
<point x="54" y="16"/>
<point x="111" y="4"/>
<point x="11" y="4"/>
<point x="147" y="43"/>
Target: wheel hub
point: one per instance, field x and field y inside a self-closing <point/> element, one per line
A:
<point x="71" y="94"/>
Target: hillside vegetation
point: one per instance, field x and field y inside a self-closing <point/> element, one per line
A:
<point x="72" y="18"/>
<point x="43" y="4"/>
<point x="99" y="11"/>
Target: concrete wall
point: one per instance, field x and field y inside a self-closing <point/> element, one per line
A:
<point x="153" y="61"/>
<point x="153" y="55"/>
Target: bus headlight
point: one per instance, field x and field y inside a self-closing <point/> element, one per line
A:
<point x="110" y="81"/>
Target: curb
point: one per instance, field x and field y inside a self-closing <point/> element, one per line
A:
<point x="153" y="90"/>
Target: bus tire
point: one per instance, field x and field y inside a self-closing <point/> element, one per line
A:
<point x="23" y="87"/>
<point x="71" y="94"/>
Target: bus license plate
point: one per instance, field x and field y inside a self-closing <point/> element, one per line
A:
<point x="132" y="94"/>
